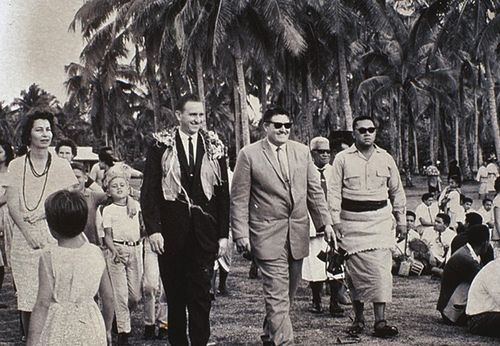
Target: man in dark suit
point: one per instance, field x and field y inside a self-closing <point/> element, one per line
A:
<point x="185" y="203"/>
<point x="275" y="184"/>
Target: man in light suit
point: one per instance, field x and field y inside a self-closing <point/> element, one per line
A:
<point x="274" y="185"/>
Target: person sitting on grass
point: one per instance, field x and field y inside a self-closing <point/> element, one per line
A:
<point x="467" y="205"/>
<point x="425" y="215"/>
<point x="461" y="239"/>
<point x="458" y="274"/>
<point x="440" y="242"/>
<point x="450" y="202"/>
<point x="70" y="275"/>
<point x="486" y="211"/>
<point x="483" y="301"/>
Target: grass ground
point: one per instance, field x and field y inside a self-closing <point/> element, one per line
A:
<point x="237" y="318"/>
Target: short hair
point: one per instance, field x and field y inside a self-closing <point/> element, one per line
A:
<point x="410" y="213"/>
<point x="445" y="217"/>
<point x="455" y="178"/>
<point x="272" y="111"/>
<point x="30" y="120"/>
<point x="478" y="235"/>
<point x="473" y="219"/>
<point x="107" y="158"/>
<point x="185" y="99"/>
<point x="67" y="143"/>
<point x="104" y="149"/>
<point x="360" y="118"/>
<point x="468" y="200"/>
<point x="316" y="141"/>
<point x="497" y="184"/>
<point x="66" y="213"/>
<point x="426" y="196"/>
<point x="487" y="199"/>
<point x="9" y="152"/>
<point x="78" y="165"/>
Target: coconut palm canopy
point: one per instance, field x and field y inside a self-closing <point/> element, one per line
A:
<point x="428" y="71"/>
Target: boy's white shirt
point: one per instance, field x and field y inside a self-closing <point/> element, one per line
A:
<point x="124" y="228"/>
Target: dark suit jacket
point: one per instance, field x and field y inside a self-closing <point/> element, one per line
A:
<point x="461" y="239"/>
<point x="209" y="223"/>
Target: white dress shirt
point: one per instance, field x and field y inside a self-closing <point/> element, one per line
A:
<point x="185" y="144"/>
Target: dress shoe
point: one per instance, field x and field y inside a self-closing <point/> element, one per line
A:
<point x="122" y="339"/>
<point x="336" y="310"/>
<point x="316" y="308"/>
<point x="149" y="332"/>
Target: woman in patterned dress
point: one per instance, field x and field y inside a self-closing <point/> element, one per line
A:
<point x="31" y="178"/>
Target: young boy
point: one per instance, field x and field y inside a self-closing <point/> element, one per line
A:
<point x="123" y="239"/>
<point x="468" y="205"/>
<point x="486" y="211"/>
<point x="425" y="214"/>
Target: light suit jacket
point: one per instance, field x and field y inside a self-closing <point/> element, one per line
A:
<point x="266" y="211"/>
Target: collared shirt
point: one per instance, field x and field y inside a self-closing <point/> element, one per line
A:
<point x="427" y="213"/>
<point x="357" y="178"/>
<point x="473" y="253"/>
<point x="185" y="144"/>
<point x="283" y="155"/>
<point x="485" y="290"/>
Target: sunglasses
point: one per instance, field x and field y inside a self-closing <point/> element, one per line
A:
<point x="279" y="125"/>
<point x="363" y="130"/>
<point x="322" y="151"/>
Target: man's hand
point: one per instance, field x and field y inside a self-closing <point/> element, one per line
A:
<point x="243" y="245"/>
<point x="222" y="247"/>
<point x="330" y="235"/>
<point x="339" y="229"/>
<point x="157" y="243"/>
<point x="401" y="230"/>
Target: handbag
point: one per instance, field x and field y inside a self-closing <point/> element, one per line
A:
<point x="334" y="259"/>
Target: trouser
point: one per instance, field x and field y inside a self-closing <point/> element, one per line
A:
<point x="281" y="278"/>
<point x="126" y="278"/>
<point x="486" y="323"/>
<point x="186" y="276"/>
<point x="151" y="284"/>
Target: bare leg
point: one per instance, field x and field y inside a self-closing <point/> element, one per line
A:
<point x="379" y="311"/>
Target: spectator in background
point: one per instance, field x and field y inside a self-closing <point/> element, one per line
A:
<point x="97" y="171"/>
<point x="440" y="242"/>
<point x="495" y="234"/>
<point x="450" y="202"/>
<point x="467" y="205"/>
<point x="486" y="211"/>
<point x="458" y="274"/>
<point x="425" y="214"/>
<point x="482" y="178"/>
<point x="433" y="179"/>
<point x="492" y="174"/>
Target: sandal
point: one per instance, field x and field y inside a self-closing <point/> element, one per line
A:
<point x="356" y="328"/>
<point x="383" y="330"/>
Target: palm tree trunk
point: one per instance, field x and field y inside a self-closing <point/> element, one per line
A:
<point x="492" y="105"/>
<point x="457" y="145"/>
<point x="237" y="118"/>
<point x="393" y="128"/>
<point x="153" y="87"/>
<point x="306" y="104"/>
<point x="344" y="89"/>
<point x="263" y="91"/>
<point x="416" y="166"/>
<point x="199" y="77"/>
<point x="475" y="141"/>
<point x="238" y="61"/>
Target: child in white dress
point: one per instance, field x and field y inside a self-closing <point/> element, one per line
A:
<point x="70" y="275"/>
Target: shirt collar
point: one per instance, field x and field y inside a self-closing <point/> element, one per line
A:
<point x="185" y="137"/>
<point x="353" y="149"/>
<point x="473" y="253"/>
<point x="275" y="147"/>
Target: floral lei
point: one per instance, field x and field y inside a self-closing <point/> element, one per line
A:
<point x="214" y="147"/>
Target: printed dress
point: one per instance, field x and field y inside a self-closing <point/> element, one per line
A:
<point x="73" y="317"/>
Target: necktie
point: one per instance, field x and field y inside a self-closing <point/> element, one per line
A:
<point x="323" y="180"/>
<point x="191" y="156"/>
<point x="284" y="172"/>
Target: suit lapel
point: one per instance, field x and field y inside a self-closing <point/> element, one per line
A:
<point x="268" y="153"/>
<point x="181" y="155"/>
<point x="292" y="160"/>
<point x="200" y="151"/>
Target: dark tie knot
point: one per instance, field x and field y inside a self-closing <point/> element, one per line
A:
<point x="190" y="138"/>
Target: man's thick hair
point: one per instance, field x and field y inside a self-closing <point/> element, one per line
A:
<point x="185" y="99"/>
<point x="28" y="125"/>
<point x="272" y="111"/>
<point x="478" y="235"/>
<point x="468" y="200"/>
<point x="363" y="117"/>
<point x="78" y="165"/>
<point x="66" y="213"/>
<point x="426" y="196"/>
<point x="67" y="143"/>
<point x="487" y="199"/>
<point x="410" y="213"/>
<point x="445" y="217"/>
<point x="473" y="218"/>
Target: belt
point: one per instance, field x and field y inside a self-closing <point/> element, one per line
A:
<point x="128" y="243"/>
<point x="360" y="206"/>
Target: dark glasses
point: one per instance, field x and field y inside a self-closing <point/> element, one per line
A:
<point x="322" y="151"/>
<point x="279" y="125"/>
<point x="364" y="130"/>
